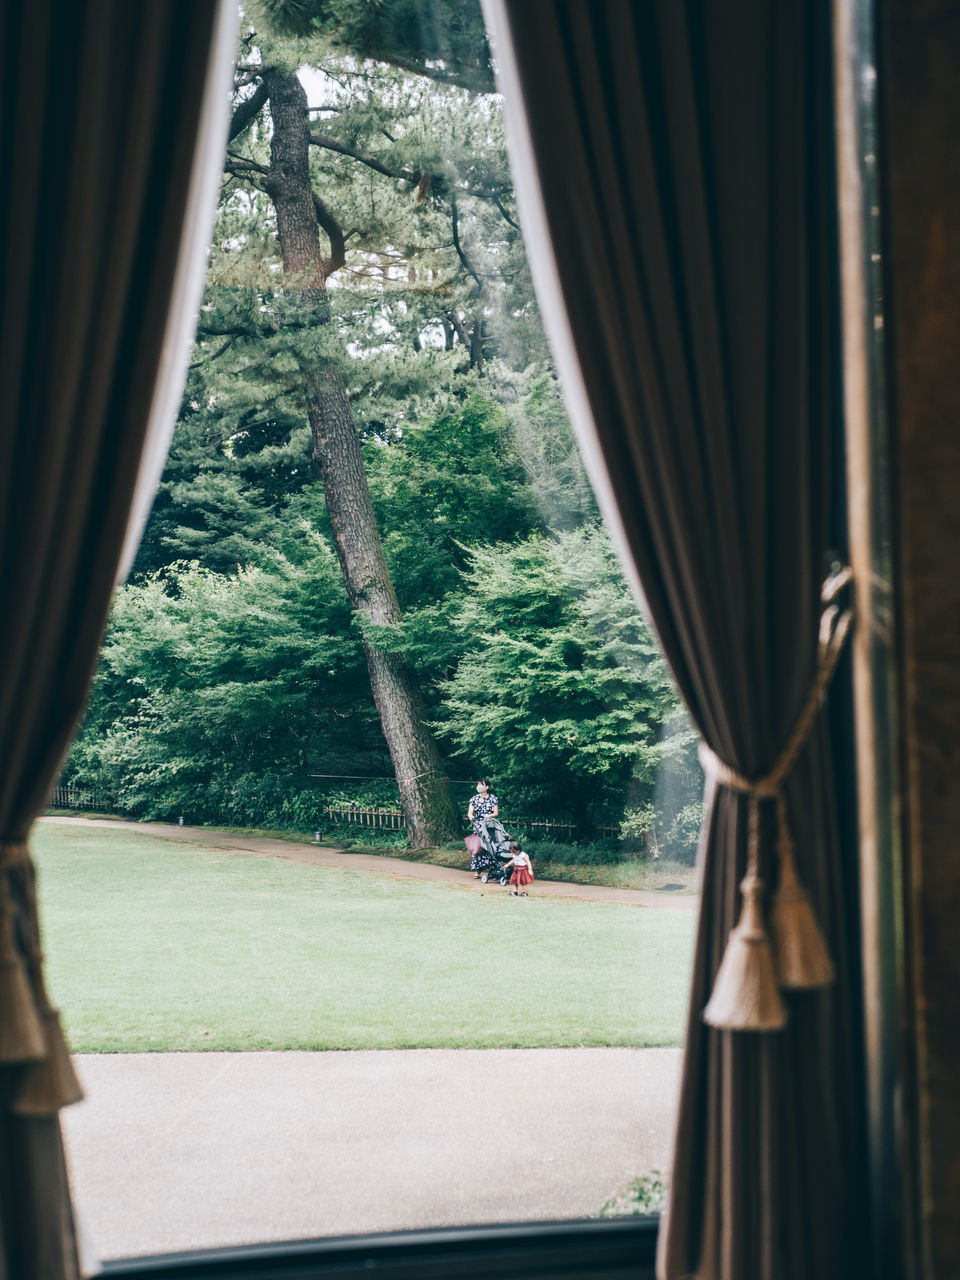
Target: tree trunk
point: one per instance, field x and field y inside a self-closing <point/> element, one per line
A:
<point x="476" y="346"/>
<point x="425" y="793"/>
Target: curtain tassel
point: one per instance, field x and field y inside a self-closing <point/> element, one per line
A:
<point x="21" y="1035"/>
<point x="51" y="1083"/>
<point x="756" y="967"/>
<point x="802" y="960"/>
<point x="745" y="993"/>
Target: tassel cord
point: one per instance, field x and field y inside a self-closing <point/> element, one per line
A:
<point x="33" y="935"/>
<point x="21" y="1034"/>
<point x="34" y="1036"/>
<point x="742" y="997"/>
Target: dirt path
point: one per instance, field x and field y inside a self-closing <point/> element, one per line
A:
<point x="379" y="864"/>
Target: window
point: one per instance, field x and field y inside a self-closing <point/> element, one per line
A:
<point x="483" y="1059"/>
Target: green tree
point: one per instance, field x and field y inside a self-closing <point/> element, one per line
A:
<point x="371" y="395"/>
<point x="213" y="687"/>
<point x="564" y="683"/>
<point x="400" y="185"/>
<point x="441" y="486"/>
<point x="442" y="39"/>
<point x="314" y="363"/>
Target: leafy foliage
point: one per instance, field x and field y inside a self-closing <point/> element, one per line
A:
<point x="215" y="692"/>
<point x="563" y="680"/>
<point x="646" y="1195"/>
<point x="416" y="34"/>
<point x="445" y="485"/>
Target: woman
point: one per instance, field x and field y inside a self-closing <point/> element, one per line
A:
<point x="482" y="805"/>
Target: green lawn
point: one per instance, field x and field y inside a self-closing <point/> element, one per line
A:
<point x="157" y="945"/>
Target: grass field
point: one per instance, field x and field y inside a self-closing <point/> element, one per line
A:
<point x="155" y="945"/>
<point x="632" y="873"/>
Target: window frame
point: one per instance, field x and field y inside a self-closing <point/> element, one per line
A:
<point x="592" y="1249"/>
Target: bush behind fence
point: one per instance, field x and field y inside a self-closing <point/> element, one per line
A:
<point x="393" y="820"/>
<point x="87" y="798"/>
<point x="371" y="818"/>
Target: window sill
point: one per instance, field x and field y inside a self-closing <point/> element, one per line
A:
<point x="611" y="1248"/>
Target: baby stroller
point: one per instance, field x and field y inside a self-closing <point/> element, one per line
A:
<point x="494" y="851"/>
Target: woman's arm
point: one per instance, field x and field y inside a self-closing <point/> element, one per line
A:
<point x="495" y="811"/>
<point x="470" y="810"/>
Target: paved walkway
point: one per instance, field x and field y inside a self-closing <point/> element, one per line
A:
<point x="175" y="1151"/>
<point x="328" y="856"/>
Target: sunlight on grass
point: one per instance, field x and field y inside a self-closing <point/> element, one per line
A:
<point x="156" y="945"/>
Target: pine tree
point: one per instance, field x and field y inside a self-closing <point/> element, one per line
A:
<point x="304" y="307"/>
<point x="412" y="211"/>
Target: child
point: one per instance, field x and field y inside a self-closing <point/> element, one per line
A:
<point x="522" y="870"/>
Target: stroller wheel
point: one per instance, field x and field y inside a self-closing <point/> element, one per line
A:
<point x="504" y="880"/>
<point x="483" y="878"/>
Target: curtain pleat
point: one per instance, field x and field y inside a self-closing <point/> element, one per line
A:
<point x="111" y="116"/>
<point x="674" y="168"/>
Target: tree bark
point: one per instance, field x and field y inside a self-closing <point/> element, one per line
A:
<point x="425" y="792"/>
<point x="476" y="346"/>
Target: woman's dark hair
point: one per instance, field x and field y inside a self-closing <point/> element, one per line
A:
<point x="485" y="781"/>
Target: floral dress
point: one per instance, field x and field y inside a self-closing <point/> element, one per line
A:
<point x="482" y="805"/>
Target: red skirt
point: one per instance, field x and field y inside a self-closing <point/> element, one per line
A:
<point x="521" y="875"/>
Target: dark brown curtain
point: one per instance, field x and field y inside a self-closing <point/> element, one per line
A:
<point x="675" y="168"/>
<point x="108" y="110"/>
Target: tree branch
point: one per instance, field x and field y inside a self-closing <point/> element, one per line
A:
<point x="253" y="174"/>
<point x="479" y="80"/>
<point x="436" y="182"/>
<point x="240" y="164"/>
<point x="214" y="328"/>
<point x="217" y="354"/>
<point x="496" y="200"/>
<point x="459" y="328"/>
<point x="247" y="111"/>
<point x="459" y="248"/>
<point x="334" y="232"/>
<point x="372" y="162"/>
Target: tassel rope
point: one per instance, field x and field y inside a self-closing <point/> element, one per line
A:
<point x="21" y="1034"/>
<point x="794" y="955"/>
<point x="50" y="1083"/>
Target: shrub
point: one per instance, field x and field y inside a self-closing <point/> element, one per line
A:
<point x="600" y="854"/>
<point x="680" y="839"/>
<point x="369" y="837"/>
<point x="367" y="793"/>
<point x="645" y="1195"/>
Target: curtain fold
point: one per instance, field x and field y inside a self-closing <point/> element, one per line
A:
<point x="674" y="170"/>
<point x="113" y="118"/>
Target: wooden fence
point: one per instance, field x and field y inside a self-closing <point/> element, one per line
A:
<point x="393" y="820"/>
<point x="79" y="798"/>
<point x="346" y="815"/>
<point x="384" y="819"/>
